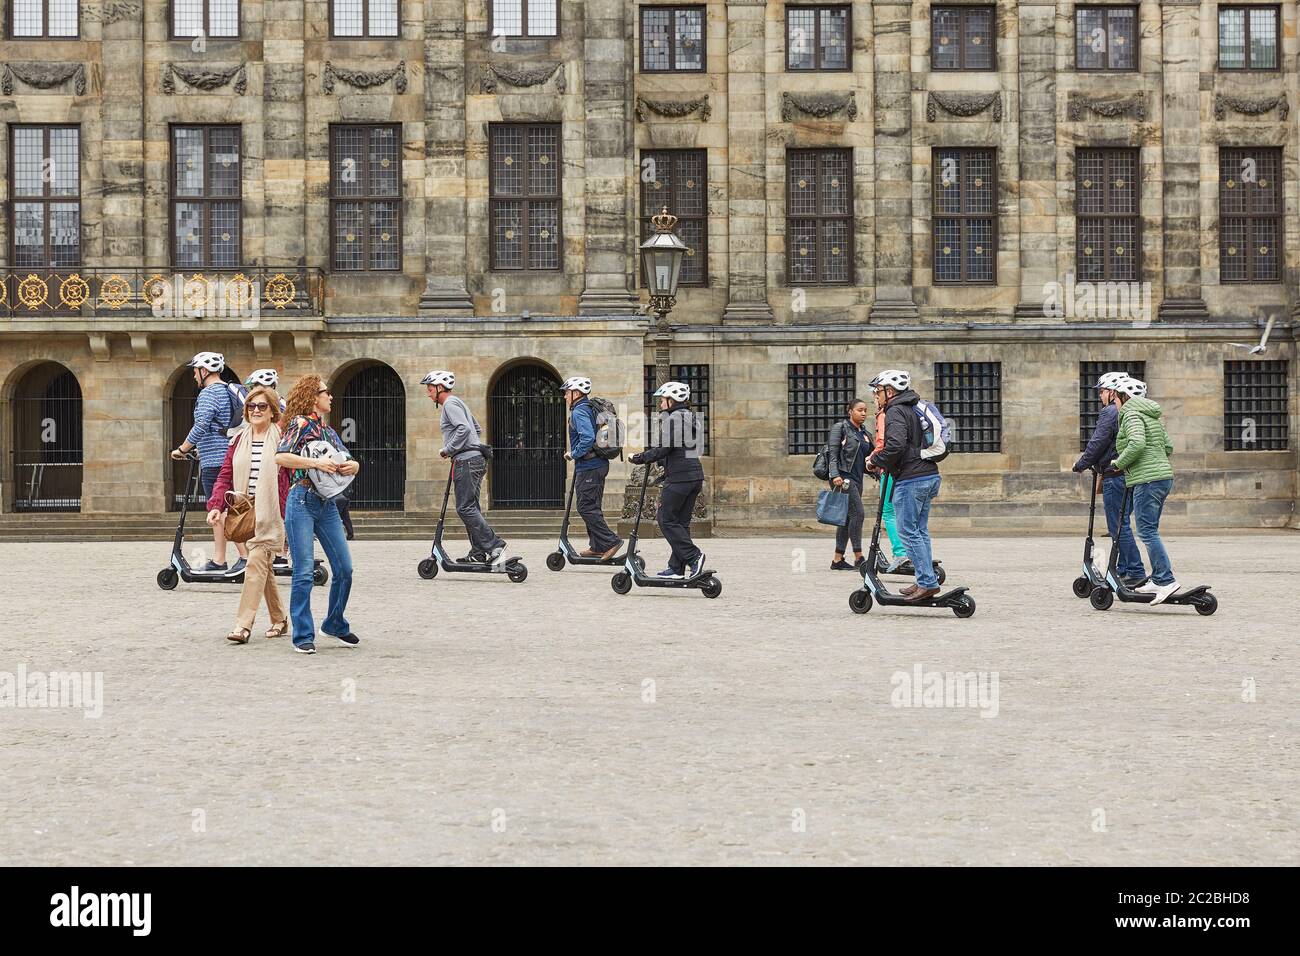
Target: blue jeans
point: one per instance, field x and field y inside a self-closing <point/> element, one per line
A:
<point x="912" y="506"/>
<point x="306" y="514"/>
<point x="1148" y="503"/>
<point x="1129" y="561"/>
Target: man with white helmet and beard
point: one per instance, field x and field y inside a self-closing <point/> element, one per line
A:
<point x="461" y="443"/>
<point x="590" y="470"/>
<point x="678" y="446"/>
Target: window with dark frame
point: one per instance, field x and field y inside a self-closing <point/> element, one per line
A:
<point x="1249" y="38"/>
<point x="366" y="198"/>
<point x="525" y="18"/>
<point x="970" y="396"/>
<point x="1108" y="226"/>
<point x="1089" y="403"/>
<point x="363" y="18"/>
<point x="209" y="18"/>
<point x="1106" y="39"/>
<point x="1250" y="214"/>
<point x="44" y="19"/>
<point x="819" y="216"/>
<point x="679" y="179"/>
<point x="524" y="196"/>
<point x="672" y="39"/>
<point x="1255" y="406"/>
<point x="816" y="396"/>
<point x="965" y="216"/>
<point x="963" y="38"/>
<point x="697" y="378"/>
<point x="205" y="197"/>
<point x="45" y="196"/>
<point x="818" y="38"/>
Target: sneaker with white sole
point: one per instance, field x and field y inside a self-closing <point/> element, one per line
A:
<point x="1163" y="591"/>
<point x="350" y="639"/>
<point x="1148" y="588"/>
<point x="695" y="567"/>
<point x="497" y="555"/>
<point x="307" y="648"/>
<point x="668" y="573"/>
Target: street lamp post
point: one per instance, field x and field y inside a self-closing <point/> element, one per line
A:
<point x="661" y="264"/>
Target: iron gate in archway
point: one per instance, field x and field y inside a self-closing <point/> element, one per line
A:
<point x="47" y="449"/>
<point x="529" y="426"/>
<point x="370" y="417"/>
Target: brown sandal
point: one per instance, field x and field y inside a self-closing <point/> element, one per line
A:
<point x="278" y="630"/>
<point x="239" y="635"/>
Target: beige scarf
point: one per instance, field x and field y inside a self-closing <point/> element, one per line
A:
<point x="268" y="524"/>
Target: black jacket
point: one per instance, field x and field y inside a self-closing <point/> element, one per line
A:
<point x="904" y="438"/>
<point x="1100" y="451"/>
<point x="844" y="441"/>
<point x="680" y="447"/>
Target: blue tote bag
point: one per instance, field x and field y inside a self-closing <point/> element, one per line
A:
<point x="833" y="507"/>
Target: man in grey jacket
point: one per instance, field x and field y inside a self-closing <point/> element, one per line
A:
<point x="461" y="443"/>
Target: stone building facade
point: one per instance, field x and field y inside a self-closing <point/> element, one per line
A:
<point x="1004" y="345"/>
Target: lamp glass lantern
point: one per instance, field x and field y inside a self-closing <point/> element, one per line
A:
<point x="661" y="260"/>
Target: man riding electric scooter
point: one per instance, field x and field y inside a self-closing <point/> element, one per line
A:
<point x="590" y="470"/>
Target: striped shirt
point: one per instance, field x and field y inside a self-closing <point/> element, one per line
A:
<point x="211" y="418"/>
<point x="254" y="465"/>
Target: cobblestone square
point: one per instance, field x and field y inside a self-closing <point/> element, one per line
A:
<point x="554" y="722"/>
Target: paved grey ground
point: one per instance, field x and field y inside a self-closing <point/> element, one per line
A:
<point x="501" y="723"/>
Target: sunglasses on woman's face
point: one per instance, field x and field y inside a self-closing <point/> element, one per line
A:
<point x="258" y="406"/>
<point x="324" y="391"/>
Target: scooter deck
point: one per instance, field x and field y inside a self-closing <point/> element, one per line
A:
<point x="481" y="567"/>
<point x="1178" y="597"/>
<point x="647" y="581"/>
<point x="945" y="599"/>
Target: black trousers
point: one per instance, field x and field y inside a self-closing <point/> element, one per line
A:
<point x="590" y="493"/>
<point x="676" y="505"/>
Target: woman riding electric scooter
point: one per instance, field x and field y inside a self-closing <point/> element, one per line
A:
<point x="679" y="448"/>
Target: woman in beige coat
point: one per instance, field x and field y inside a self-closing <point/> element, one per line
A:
<point x="250" y="469"/>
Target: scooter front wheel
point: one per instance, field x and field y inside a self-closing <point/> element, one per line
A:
<point x="860" y="601"/>
<point x="621" y="582"/>
<point x="428" y="569"/>
<point x="168" y="578"/>
<point x="1082" y="587"/>
<point x="319" y="576"/>
<point x="1101" y="598"/>
<point x="555" y="561"/>
<point x="711" y="588"/>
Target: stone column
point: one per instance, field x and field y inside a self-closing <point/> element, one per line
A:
<point x="446" y="253"/>
<point x="1180" y="56"/>
<point x="1038" y="202"/>
<point x="746" y="163"/>
<point x="122" y="151"/>
<point x="284" y="134"/>
<point x="606" y="94"/>
<point x="892" y="138"/>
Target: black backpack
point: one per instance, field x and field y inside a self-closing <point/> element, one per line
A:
<point x="610" y="432"/>
<point x="822" y="463"/>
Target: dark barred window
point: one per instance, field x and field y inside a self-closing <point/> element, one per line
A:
<point x="678" y="179"/>
<point x="364" y="18"/>
<point x="818" y="38"/>
<point x="970" y="396"/>
<point x="819" y="216"/>
<point x="525" y="18"/>
<point x="206" y="192"/>
<point x="672" y="39"/>
<point x="962" y="38"/>
<point x="1107" y="217"/>
<point x="45" y="195"/>
<point x="1250" y="215"/>
<point x="965" y="216"/>
<point x="1255" y="406"/>
<point x="524" y="188"/>
<point x="695" y="376"/>
<point x="366" y="197"/>
<point x="43" y="18"/>
<point x="816" y="398"/>
<point x="1106" y="39"/>
<point x="1248" y="38"/>
<point x="209" y="18"/>
<point x="1089" y="405"/>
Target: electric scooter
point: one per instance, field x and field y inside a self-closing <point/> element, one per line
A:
<point x="438" y="557"/>
<point x="1103" y="596"/>
<point x="961" y="603"/>
<point x="180" y="570"/>
<point x="1092" y="577"/>
<point x="634" y="566"/>
<point x="565" y="552"/>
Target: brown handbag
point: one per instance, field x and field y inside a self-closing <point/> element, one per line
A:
<point x="241" y="517"/>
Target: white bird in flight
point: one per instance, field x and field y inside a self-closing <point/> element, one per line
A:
<point x="1262" y="347"/>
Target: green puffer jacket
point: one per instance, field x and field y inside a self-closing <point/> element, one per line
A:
<point x="1142" y="443"/>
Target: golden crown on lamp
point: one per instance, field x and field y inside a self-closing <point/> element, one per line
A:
<point x="664" y="222"/>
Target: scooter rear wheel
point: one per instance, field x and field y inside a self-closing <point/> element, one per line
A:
<point x="319" y="576"/>
<point x="621" y="582"/>
<point x="711" y="588"/>
<point x="940" y="573"/>
<point x="555" y="560"/>
<point x="1082" y="587"/>
<point x="428" y="569"/>
<point x="1207" y="604"/>
<point x="860" y="601"/>
<point x="965" y="608"/>
<point x="517" y="573"/>
<point x="1101" y="598"/>
<point x="168" y="578"/>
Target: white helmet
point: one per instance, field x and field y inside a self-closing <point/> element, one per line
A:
<point x="1109" y="380"/>
<point x="212" y="361"/>
<point x="267" y="377"/>
<point x="899" y="381"/>
<point x="577" y="383"/>
<point x="1131" y="387"/>
<point x="677" y="391"/>
<point x="441" y="377"/>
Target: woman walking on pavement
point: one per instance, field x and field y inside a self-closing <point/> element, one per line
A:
<point x="250" y="469"/>
<point x="679" y="448"/>
<point x="850" y="443"/>
<point x="308" y="515"/>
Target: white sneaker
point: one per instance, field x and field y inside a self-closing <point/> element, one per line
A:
<point x="1148" y="588"/>
<point x="1163" y="591"/>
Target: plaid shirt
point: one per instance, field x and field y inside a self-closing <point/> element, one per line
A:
<point x="302" y="430"/>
